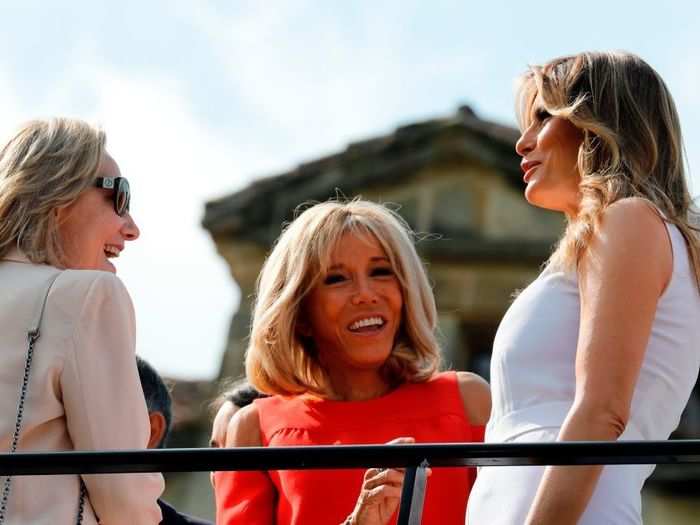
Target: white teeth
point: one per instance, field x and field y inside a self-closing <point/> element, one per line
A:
<point x="112" y="251"/>
<point x="370" y="321"/>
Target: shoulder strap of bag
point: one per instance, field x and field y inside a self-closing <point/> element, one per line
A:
<point x="33" y="334"/>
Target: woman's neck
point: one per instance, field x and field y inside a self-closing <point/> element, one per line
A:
<point x="357" y="386"/>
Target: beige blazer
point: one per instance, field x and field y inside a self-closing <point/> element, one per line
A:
<point x="84" y="393"/>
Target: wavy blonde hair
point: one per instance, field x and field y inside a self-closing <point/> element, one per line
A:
<point x="632" y="144"/>
<point x="47" y="164"/>
<point x="278" y="359"/>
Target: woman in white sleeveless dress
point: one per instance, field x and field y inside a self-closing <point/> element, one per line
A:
<point x="605" y="343"/>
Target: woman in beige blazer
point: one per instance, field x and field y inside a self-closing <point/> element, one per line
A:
<point x="64" y="212"/>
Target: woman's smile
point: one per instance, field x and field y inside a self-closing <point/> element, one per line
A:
<point x="367" y="325"/>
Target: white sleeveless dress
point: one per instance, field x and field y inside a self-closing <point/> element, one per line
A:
<point x="533" y="385"/>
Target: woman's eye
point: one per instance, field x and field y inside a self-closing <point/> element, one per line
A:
<point x="333" y="278"/>
<point x="382" y="272"/>
<point x="542" y="114"/>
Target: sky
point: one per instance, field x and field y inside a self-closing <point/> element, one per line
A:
<point x="200" y="98"/>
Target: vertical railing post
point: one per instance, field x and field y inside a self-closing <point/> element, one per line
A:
<point x="413" y="495"/>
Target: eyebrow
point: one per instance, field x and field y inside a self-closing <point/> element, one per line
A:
<point x="380" y="258"/>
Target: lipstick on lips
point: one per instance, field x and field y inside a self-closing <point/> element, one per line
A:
<point x="528" y="167"/>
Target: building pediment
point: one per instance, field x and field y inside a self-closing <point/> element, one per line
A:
<point x="365" y="167"/>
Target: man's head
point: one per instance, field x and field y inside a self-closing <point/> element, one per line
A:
<point x="158" y="402"/>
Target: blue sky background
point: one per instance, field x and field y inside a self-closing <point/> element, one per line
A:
<point x="199" y="98"/>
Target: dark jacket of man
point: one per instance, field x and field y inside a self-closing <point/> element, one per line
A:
<point x="173" y="517"/>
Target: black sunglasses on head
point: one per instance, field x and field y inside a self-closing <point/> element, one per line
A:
<point x="121" y="196"/>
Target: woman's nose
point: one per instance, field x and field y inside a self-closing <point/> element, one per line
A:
<point x="364" y="292"/>
<point x="130" y="230"/>
<point x="526" y="142"/>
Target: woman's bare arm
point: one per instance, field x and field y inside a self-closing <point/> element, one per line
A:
<point x="621" y="277"/>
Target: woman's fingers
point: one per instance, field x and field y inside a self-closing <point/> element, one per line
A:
<point x="380" y="493"/>
<point x="372" y="472"/>
<point x="406" y="440"/>
<point x="376" y="476"/>
<point x="390" y="476"/>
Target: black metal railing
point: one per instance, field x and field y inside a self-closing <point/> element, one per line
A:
<point x="415" y="458"/>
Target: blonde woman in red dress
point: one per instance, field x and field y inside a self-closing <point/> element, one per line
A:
<point x="343" y="340"/>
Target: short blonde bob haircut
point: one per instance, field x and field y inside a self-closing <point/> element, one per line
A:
<point x="632" y="144"/>
<point x="46" y="165"/>
<point x="278" y="359"/>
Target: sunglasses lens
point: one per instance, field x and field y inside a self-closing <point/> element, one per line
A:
<point x="122" y="198"/>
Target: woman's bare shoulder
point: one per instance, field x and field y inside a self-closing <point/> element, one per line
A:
<point x="633" y="215"/>
<point x="476" y="396"/>
<point x="632" y="236"/>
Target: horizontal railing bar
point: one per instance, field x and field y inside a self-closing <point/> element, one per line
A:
<point x="352" y="456"/>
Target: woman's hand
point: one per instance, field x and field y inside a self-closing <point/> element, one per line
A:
<point x="380" y="494"/>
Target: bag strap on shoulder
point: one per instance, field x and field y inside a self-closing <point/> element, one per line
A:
<point x="33" y="334"/>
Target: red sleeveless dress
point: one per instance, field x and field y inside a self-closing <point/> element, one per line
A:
<point x="431" y="412"/>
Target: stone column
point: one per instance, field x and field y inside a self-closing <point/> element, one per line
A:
<point x="245" y="259"/>
<point x="232" y="362"/>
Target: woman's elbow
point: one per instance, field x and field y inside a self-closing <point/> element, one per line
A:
<point x="616" y="422"/>
<point x="128" y="498"/>
<point x="606" y="419"/>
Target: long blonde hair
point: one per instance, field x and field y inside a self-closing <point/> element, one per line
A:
<point x="278" y="359"/>
<point x="44" y="166"/>
<point x="632" y="144"/>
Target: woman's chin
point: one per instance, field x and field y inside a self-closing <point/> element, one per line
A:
<point x="531" y="194"/>
<point x="108" y="266"/>
<point x="542" y="199"/>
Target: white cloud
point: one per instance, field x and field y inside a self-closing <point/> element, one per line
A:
<point x="316" y="78"/>
<point x="182" y="290"/>
<point x="685" y="85"/>
<point x="10" y="115"/>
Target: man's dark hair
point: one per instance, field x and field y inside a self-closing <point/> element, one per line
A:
<point x="239" y="392"/>
<point x="156" y="394"/>
<point x="243" y="394"/>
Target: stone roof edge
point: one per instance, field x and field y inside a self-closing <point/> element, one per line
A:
<point x="492" y="142"/>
